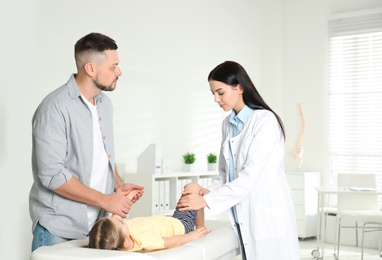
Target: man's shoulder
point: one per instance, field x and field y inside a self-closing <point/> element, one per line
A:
<point x="55" y="102"/>
<point x="57" y="96"/>
<point x="63" y="93"/>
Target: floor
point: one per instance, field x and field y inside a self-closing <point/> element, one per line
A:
<point x="346" y="252"/>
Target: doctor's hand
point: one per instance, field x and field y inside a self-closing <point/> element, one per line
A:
<point x="191" y="201"/>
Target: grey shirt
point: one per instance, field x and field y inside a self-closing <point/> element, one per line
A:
<point x="63" y="147"/>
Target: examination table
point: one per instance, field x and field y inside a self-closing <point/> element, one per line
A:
<point x="220" y="244"/>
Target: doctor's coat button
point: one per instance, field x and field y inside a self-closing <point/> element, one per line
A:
<point x="100" y="118"/>
<point x="103" y="137"/>
<point x="109" y="156"/>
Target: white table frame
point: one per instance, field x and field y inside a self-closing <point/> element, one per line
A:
<point x="319" y="252"/>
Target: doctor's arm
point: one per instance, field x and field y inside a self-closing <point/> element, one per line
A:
<point x="266" y="135"/>
<point x="259" y="153"/>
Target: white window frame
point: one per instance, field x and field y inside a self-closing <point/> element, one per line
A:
<point x="355" y="94"/>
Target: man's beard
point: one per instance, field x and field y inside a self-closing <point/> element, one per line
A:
<point x="103" y="87"/>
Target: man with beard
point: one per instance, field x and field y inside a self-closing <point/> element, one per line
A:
<point x="75" y="176"/>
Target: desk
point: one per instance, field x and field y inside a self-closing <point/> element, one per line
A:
<point x="321" y="205"/>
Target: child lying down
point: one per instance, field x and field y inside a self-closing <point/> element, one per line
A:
<point x="149" y="233"/>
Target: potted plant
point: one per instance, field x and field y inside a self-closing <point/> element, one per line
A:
<point x="189" y="159"/>
<point x="212" y="159"/>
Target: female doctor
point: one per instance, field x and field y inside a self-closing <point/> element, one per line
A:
<point x="252" y="184"/>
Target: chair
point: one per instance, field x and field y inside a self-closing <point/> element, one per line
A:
<point x="356" y="208"/>
<point x="375" y="227"/>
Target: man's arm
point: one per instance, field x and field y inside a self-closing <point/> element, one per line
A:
<point x="182" y="239"/>
<point x="116" y="203"/>
<point x="118" y="182"/>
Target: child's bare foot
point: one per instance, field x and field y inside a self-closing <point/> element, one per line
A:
<point x="132" y="194"/>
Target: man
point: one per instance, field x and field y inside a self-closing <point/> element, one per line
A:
<point x="75" y="177"/>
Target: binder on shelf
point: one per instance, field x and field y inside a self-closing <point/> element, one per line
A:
<point x="179" y="189"/>
<point x="201" y="182"/>
<point x="161" y="195"/>
<point x="155" y="203"/>
<point x="166" y="195"/>
<point x="150" y="160"/>
<point x="183" y="184"/>
<point x="210" y="181"/>
<point x="204" y="182"/>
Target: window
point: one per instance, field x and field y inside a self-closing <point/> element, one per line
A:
<point x="355" y="94"/>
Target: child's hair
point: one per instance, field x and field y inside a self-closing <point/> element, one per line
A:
<point x="104" y="235"/>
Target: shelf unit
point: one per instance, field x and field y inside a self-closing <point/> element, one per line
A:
<point x="305" y="201"/>
<point x="147" y="204"/>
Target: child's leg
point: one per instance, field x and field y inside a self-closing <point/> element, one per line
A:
<point x="190" y="217"/>
<point x="193" y="187"/>
<point x="200" y="218"/>
<point x="132" y="193"/>
<point x="196" y="188"/>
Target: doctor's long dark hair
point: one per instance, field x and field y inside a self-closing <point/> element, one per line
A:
<point x="232" y="73"/>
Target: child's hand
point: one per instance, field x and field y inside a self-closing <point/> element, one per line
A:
<point x="199" y="232"/>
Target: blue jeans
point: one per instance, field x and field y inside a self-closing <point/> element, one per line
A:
<point x="42" y="237"/>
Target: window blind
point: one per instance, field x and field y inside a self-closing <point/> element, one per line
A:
<point x="355" y="95"/>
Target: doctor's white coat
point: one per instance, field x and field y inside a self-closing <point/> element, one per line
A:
<point x="260" y="190"/>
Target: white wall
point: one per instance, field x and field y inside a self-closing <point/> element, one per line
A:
<point x="305" y="38"/>
<point x="16" y="70"/>
<point x="166" y="50"/>
<point x="305" y="52"/>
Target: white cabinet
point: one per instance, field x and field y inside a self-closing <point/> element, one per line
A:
<point x="305" y="201"/>
<point x="162" y="191"/>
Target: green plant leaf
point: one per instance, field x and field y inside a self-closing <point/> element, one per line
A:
<point x="189" y="158"/>
<point x="211" y="158"/>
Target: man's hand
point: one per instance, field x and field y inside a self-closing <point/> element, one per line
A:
<point x="118" y="203"/>
<point x="127" y="187"/>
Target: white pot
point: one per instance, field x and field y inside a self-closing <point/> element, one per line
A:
<point x="212" y="166"/>
<point x="189" y="167"/>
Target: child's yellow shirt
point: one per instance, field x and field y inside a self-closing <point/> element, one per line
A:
<point x="147" y="232"/>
